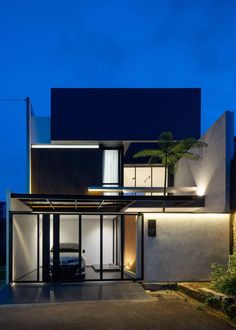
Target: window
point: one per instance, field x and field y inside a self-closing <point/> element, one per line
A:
<point x="111" y="169"/>
<point x="144" y="176"/>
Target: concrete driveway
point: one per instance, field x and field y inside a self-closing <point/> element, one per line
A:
<point x="168" y="311"/>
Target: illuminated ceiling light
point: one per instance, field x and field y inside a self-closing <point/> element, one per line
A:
<point x="65" y="146"/>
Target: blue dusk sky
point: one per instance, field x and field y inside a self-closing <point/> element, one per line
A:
<point x="122" y="43"/>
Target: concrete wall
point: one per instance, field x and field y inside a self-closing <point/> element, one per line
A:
<point x="24" y="249"/>
<point x="40" y="130"/>
<point x="211" y="174"/>
<point x="69" y="233"/>
<point x="185" y="246"/>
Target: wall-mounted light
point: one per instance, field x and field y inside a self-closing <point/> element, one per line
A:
<point x="65" y="146"/>
<point x="201" y="191"/>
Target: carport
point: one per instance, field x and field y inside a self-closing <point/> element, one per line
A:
<point x="103" y="237"/>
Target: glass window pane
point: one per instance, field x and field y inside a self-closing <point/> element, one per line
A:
<point x="91" y="245"/>
<point x="158" y="175"/>
<point x="130" y="247"/>
<point x="143" y="177"/>
<point x="111" y="255"/>
<point x="110" y="166"/>
<point x="129" y="176"/>
<point x="69" y="249"/>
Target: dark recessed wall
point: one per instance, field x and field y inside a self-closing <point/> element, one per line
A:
<point x="124" y="113"/>
<point x="65" y="171"/>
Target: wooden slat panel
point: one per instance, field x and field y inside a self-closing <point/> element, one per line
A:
<point x="65" y="171"/>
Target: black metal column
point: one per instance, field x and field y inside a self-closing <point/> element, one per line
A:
<point x="142" y="246"/>
<point x="38" y="247"/>
<point x="117" y="240"/>
<point x="46" y="247"/>
<point x="122" y="232"/>
<point x="80" y="244"/>
<point x="121" y="168"/>
<point x="56" y="243"/>
<point x="101" y="247"/>
<point x="10" y="247"/>
<point x="113" y="241"/>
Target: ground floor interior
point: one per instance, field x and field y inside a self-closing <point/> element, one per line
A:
<point x="75" y="247"/>
<point x="49" y="240"/>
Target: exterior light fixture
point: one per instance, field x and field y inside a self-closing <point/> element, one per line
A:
<point x="65" y="146"/>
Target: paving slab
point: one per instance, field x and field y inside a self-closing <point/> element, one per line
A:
<point x="55" y="293"/>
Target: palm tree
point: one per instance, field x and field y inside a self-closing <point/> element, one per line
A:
<point x="169" y="152"/>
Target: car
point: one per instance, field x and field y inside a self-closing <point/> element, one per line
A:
<point x="69" y="262"/>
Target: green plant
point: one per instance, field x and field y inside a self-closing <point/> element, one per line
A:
<point x="201" y="306"/>
<point x="223" y="279"/>
<point x="169" y="152"/>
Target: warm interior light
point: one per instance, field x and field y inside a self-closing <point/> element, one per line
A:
<point x="65" y="146"/>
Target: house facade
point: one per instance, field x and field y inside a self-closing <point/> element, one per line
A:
<point x="90" y="200"/>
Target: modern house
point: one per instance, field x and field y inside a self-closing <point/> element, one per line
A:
<point x="90" y="199"/>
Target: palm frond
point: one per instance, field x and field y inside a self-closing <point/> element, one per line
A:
<point x="154" y="159"/>
<point x="186" y="144"/>
<point x="191" y="156"/>
<point x="166" y="136"/>
<point x="149" y="153"/>
<point x="165" y="141"/>
<point x="199" y="144"/>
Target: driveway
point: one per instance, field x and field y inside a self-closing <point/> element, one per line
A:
<point x="168" y="311"/>
<point x="56" y="293"/>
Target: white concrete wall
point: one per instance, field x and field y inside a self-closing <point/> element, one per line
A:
<point x="24" y="250"/>
<point x="185" y="246"/>
<point x="40" y="130"/>
<point x="91" y="240"/>
<point x="211" y="174"/>
<point x="69" y="233"/>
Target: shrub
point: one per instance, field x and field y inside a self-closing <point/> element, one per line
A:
<point x="223" y="279"/>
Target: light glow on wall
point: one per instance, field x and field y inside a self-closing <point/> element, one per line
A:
<point x="186" y="216"/>
<point x="201" y="190"/>
<point x="64" y="146"/>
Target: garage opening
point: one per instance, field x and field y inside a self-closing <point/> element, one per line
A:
<point x="76" y="247"/>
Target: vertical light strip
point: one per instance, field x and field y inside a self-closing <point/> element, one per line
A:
<point x="110" y="169"/>
<point x="111" y="166"/>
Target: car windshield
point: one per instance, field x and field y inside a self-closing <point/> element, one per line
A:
<point x="68" y="247"/>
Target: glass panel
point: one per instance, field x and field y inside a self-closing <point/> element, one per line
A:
<point x="158" y="175"/>
<point x="130" y="246"/>
<point x="111" y="255"/>
<point x="111" y="170"/>
<point x="91" y="246"/>
<point x="111" y="166"/>
<point x="143" y="178"/>
<point x="40" y="248"/>
<point x="24" y="248"/>
<point x="129" y="176"/>
<point x="69" y="261"/>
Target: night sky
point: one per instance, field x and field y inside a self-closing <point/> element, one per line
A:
<point x="122" y="43"/>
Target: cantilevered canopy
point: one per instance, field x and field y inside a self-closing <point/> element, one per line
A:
<point x="106" y="204"/>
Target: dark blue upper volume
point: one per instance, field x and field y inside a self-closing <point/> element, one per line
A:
<point x="134" y="114"/>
